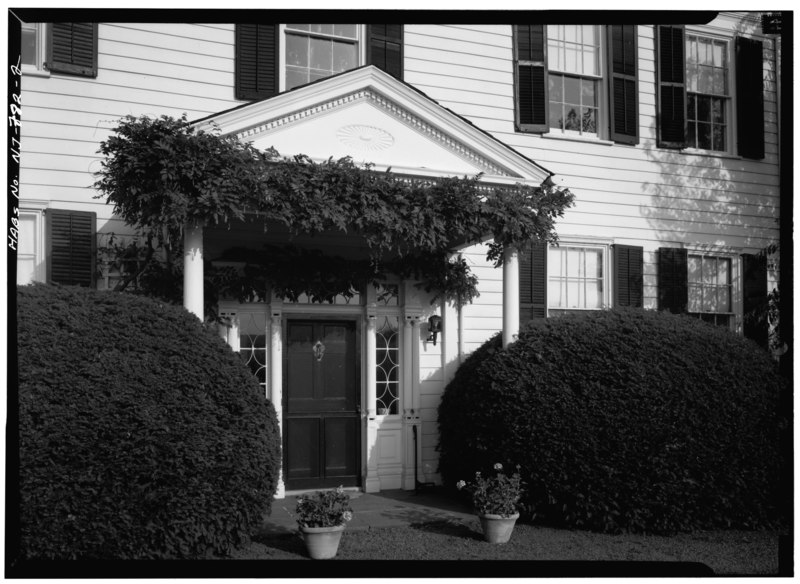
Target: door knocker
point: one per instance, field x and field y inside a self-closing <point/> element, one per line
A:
<point x="319" y="350"/>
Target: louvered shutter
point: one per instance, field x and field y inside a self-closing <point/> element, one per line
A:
<point x="623" y="93"/>
<point x="628" y="270"/>
<point x="673" y="287"/>
<point x="531" y="76"/>
<point x="385" y="48"/>
<point x="533" y="282"/>
<point x="71" y="247"/>
<point x="671" y="90"/>
<point x="72" y="48"/>
<point x="750" y="97"/>
<point x="754" y="291"/>
<point x="256" y="61"/>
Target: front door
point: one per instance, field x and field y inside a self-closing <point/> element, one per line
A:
<point x="321" y="445"/>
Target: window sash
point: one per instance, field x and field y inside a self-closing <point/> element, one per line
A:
<point x="576" y="278"/>
<point x="319" y="51"/>
<point x="708" y="105"/>
<point x="710" y="284"/>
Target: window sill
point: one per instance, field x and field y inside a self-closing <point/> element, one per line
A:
<point x="35" y="72"/>
<point x="710" y="153"/>
<point x="583" y="139"/>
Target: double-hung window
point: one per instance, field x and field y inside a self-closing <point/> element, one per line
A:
<point x="32" y="51"/>
<point x="710" y="288"/>
<point x="576" y="278"/>
<point x="316" y="51"/>
<point x="271" y="58"/>
<point x="574" y="78"/>
<point x="577" y="80"/>
<point x="708" y="93"/>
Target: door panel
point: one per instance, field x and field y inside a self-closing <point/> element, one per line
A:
<point x="321" y="398"/>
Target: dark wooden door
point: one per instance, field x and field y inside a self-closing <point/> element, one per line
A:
<point x="321" y="442"/>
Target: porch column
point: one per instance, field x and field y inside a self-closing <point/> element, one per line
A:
<point x="193" y="299"/>
<point x="276" y="380"/>
<point x="372" y="483"/>
<point x="510" y="295"/>
<point x="409" y="330"/>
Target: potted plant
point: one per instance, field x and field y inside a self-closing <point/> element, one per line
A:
<point x="495" y="500"/>
<point x="321" y="517"/>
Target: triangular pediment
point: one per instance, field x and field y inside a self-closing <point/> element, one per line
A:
<point x="375" y="118"/>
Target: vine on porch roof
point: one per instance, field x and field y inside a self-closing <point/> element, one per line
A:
<point x="162" y="174"/>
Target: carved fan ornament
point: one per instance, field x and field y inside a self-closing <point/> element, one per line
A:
<point x="363" y="137"/>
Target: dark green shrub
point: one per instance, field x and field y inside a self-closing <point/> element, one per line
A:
<point x="141" y="434"/>
<point x="622" y="420"/>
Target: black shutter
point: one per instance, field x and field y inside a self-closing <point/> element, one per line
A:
<point x="622" y="84"/>
<point x="628" y="271"/>
<point x="754" y="291"/>
<point x="671" y="86"/>
<point x="533" y="282"/>
<point x="673" y="288"/>
<point x="71" y="247"/>
<point x="530" y="42"/>
<point x="750" y="97"/>
<point x="385" y="48"/>
<point x="256" y="61"/>
<point x="72" y="48"/>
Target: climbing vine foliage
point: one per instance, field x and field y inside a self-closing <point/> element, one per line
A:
<point x="162" y="174"/>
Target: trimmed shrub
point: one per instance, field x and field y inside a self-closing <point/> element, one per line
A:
<point x="627" y="420"/>
<point x="141" y="434"/>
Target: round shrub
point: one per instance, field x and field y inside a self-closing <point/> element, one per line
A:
<point x="141" y="434"/>
<point x="627" y="420"/>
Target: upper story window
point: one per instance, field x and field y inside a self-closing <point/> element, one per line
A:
<point x="708" y="93"/>
<point x="574" y="77"/>
<point x="32" y="51"/>
<point x="316" y="51"/>
<point x="271" y="58"/>
<point x="578" y="80"/>
<point x="60" y="47"/>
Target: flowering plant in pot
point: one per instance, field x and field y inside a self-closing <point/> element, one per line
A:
<point x="322" y="517"/>
<point x="495" y="499"/>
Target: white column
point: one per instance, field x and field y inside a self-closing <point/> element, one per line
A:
<point x="407" y="478"/>
<point x="276" y="381"/>
<point x="193" y="270"/>
<point x="510" y="295"/>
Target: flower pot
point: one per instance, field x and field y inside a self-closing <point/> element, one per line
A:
<point x="322" y="543"/>
<point x="496" y="528"/>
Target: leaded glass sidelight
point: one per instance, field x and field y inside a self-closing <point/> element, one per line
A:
<point x="253" y="344"/>
<point x="387" y="359"/>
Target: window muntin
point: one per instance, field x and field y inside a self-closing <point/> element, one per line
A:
<point x="710" y="288"/>
<point x="316" y="51"/>
<point x="576" y="277"/>
<point x="574" y="78"/>
<point x="708" y="93"/>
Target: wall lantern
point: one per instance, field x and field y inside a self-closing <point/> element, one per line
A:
<point x="434" y="328"/>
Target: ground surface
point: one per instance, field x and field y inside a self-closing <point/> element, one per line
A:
<point x="724" y="552"/>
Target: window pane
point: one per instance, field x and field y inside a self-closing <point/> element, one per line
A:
<point x="320" y="55"/>
<point x="572" y="90"/>
<point x="571" y="33"/>
<point x="588" y="93"/>
<point x="297" y="26"/>
<point x="296" y="77"/>
<point x="703" y="108"/>
<point x="572" y="294"/>
<point x="556" y="116"/>
<point x="724" y="271"/>
<point x="709" y="270"/>
<point x="590" y="121"/>
<point x="344" y="56"/>
<point x="704" y="136"/>
<point x="594" y="263"/>
<point x="695" y="298"/>
<point x="554" y="294"/>
<point x="594" y="294"/>
<point x="572" y="121"/>
<point x="691" y="107"/>
<point x="28" y="53"/>
<point x="296" y="50"/>
<point x="345" y="30"/>
<point x="573" y="263"/>
<point x="556" y="87"/>
<point x="590" y="64"/>
<point x="719" y="142"/>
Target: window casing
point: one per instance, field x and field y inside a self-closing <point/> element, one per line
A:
<point x="316" y="51"/>
<point x="575" y="79"/>
<point x="708" y="92"/>
<point x="710" y="288"/>
<point x="577" y="277"/>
